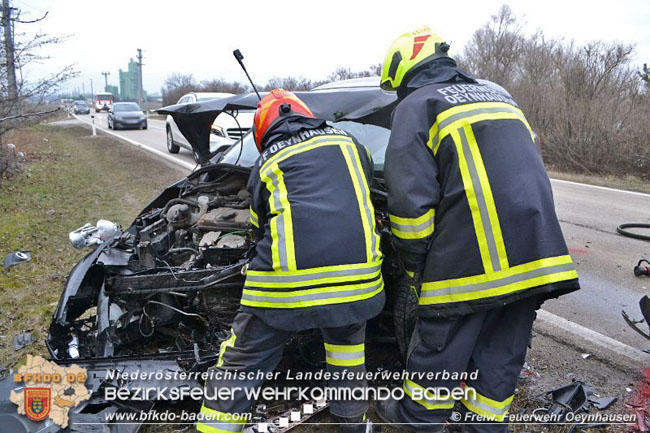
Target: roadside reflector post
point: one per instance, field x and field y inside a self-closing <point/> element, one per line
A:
<point x="92" y="121"/>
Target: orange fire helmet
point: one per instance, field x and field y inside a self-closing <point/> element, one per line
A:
<point x="278" y="103"/>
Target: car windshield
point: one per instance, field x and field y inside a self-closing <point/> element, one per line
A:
<point x="81" y="104"/>
<point x="127" y="107"/>
<point x="375" y="138"/>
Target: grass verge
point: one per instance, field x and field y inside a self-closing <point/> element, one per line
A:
<point x="630" y="183"/>
<point x="69" y="178"/>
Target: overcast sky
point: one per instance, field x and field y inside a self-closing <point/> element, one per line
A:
<point x="308" y="37"/>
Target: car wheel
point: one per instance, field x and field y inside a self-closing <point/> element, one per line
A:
<point x="108" y="123"/>
<point x="405" y="308"/>
<point x="171" y="147"/>
<point x="144" y="126"/>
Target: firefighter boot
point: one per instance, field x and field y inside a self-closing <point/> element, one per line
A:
<point x="358" y="424"/>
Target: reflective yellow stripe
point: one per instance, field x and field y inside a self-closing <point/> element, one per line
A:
<point x="345" y="355"/>
<point x="281" y="224"/>
<point x="479" y="229"/>
<point x="312" y="297"/>
<point x="312" y="143"/>
<point x="497" y="236"/>
<point x="413" y="228"/>
<point x="254" y="219"/>
<point x="253" y="283"/>
<point x="516" y="278"/>
<point x="288" y="221"/>
<point x="219" y="422"/>
<point x="368" y="206"/>
<point x="457" y="117"/>
<point x="230" y="342"/>
<point x="431" y="404"/>
<point x="486" y="407"/>
<point x="362" y="193"/>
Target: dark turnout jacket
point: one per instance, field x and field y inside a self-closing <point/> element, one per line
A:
<point x="317" y="262"/>
<point x="470" y="202"/>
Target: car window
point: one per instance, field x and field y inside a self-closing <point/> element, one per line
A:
<point x="184" y="99"/>
<point x="375" y="138"/>
<point x="127" y="107"/>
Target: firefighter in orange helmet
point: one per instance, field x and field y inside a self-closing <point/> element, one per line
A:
<point x="309" y="175"/>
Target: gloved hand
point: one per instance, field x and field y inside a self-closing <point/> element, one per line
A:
<point x="415" y="282"/>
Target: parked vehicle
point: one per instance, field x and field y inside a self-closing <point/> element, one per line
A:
<point x="103" y="101"/>
<point x="126" y="115"/>
<point x="227" y="128"/>
<point x="80" y="107"/>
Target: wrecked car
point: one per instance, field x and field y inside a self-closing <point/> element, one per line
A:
<point x="161" y="294"/>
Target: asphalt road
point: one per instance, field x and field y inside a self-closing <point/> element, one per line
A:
<point x="589" y="216"/>
<point x="153" y="137"/>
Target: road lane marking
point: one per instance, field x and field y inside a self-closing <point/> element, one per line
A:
<point x="606" y="188"/>
<point x="597" y="339"/>
<point x="164" y="155"/>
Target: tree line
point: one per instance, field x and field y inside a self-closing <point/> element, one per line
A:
<point x="589" y="104"/>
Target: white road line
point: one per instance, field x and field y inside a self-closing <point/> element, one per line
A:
<point x="606" y="188"/>
<point x="596" y="339"/>
<point x="573" y="328"/>
<point x="164" y="155"/>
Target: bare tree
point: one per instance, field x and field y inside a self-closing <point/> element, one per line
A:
<point x="22" y="99"/>
<point x="587" y="102"/>
<point x="495" y="49"/>
<point x="175" y="86"/>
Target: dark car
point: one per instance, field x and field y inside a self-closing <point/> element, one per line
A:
<point x="124" y="115"/>
<point x="80" y="107"/>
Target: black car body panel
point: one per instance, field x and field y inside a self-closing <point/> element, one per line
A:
<point x="368" y="105"/>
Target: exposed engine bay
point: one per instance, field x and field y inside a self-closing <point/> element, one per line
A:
<point x="171" y="282"/>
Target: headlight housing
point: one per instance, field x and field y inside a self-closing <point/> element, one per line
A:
<point x="218" y="130"/>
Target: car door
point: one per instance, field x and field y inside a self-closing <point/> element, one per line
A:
<point x="179" y="138"/>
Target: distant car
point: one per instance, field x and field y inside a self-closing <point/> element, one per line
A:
<point x="126" y="115"/>
<point x="226" y="129"/>
<point x="80" y="107"/>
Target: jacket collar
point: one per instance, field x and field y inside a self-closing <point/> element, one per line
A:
<point x="287" y="128"/>
<point x="441" y="70"/>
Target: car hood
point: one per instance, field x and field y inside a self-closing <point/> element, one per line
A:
<point x="365" y="105"/>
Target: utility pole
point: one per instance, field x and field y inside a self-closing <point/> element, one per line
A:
<point x="106" y="74"/>
<point x="10" y="64"/>
<point x="140" y="91"/>
<point x="92" y="91"/>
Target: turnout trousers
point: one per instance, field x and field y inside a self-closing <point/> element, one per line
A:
<point x="493" y="343"/>
<point x="254" y="346"/>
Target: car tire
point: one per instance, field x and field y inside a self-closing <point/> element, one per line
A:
<point x="171" y="147"/>
<point x="144" y="126"/>
<point x="405" y="307"/>
<point x="108" y="123"/>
